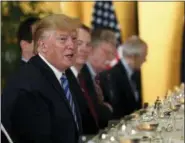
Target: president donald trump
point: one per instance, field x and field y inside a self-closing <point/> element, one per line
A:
<point x="38" y="105"/>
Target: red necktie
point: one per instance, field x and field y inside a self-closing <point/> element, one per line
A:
<point x="98" y="89"/>
<point x="88" y="98"/>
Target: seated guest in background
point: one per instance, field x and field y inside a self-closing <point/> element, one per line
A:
<point x="93" y="113"/>
<point x="86" y="105"/>
<point x="38" y="105"/>
<point x="25" y="38"/>
<point x="25" y="42"/>
<point x="103" y="50"/>
<point x="126" y="97"/>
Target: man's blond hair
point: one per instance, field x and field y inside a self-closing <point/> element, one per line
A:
<point x="103" y="35"/>
<point x="53" y="22"/>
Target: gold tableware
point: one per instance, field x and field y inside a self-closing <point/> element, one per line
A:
<point x="182" y="86"/>
<point x="169" y="92"/>
<point x="147" y="126"/>
<point x="176" y="89"/>
<point x="135" y="140"/>
<point x="175" y="108"/>
<point x="135" y="116"/>
<point x="182" y="100"/>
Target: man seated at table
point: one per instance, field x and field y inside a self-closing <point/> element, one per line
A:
<point x="103" y="44"/>
<point x="95" y="112"/>
<point x="86" y="105"/>
<point x="122" y="79"/>
<point x="38" y="104"/>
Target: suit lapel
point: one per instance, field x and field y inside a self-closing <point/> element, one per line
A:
<point x="50" y="76"/>
<point x="89" y="82"/>
<point x="74" y="85"/>
<point x="137" y="78"/>
<point x="125" y="77"/>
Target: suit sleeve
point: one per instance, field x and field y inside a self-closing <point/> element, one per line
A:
<point x="31" y="119"/>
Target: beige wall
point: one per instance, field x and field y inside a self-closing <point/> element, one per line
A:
<point x="160" y="25"/>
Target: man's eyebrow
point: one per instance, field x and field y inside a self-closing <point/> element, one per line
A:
<point x="74" y="33"/>
<point x="62" y="35"/>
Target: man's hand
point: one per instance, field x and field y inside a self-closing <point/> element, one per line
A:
<point x="108" y="105"/>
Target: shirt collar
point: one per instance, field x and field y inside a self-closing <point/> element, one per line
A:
<point x="74" y="70"/>
<point x="23" y="59"/>
<point x="57" y="73"/>
<point x="93" y="73"/>
<point x="127" y="67"/>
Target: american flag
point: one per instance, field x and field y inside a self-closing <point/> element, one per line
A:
<point x="104" y="16"/>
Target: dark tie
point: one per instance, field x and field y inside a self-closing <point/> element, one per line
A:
<point x="134" y="86"/>
<point x="98" y="89"/>
<point x="88" y="98"/>
<point x="65" y="86"/>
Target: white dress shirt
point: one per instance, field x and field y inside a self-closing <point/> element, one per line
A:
<point x="75" y="71"/>
<point x="23" y="59"/>
<point x="57" y="73"/>
<point x="92" y="72"/>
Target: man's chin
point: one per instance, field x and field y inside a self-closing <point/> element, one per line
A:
<point x="68" y="64"/>
<point x="81" y="61"/>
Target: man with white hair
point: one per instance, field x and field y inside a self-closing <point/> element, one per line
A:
<point x="121" y="77"/>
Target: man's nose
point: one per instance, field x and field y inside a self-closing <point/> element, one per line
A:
<point x="70" y="43"/>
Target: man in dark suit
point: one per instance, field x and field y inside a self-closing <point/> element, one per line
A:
<point x="25" y="44"/>
<point x="103" y="44"/>
<point x="25" y="39"/>
<point x="87" y="109"/>
<point x="103" y="109"/>
<point x="125" y="96"/>
<point x="93" y="113"/>
<point x="38" y="104"/>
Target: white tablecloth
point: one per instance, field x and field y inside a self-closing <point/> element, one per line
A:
<point x="175" y="136"/>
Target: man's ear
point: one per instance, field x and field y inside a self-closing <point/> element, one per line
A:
<point x="42" y="46"/>
<point x="23" y="44"/>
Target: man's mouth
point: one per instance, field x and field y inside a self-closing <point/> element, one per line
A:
<point x="69" y="56"/>
<point x="82" y="56"/>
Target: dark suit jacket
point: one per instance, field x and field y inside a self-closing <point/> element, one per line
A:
<point x="107" y="86"/>
<point x="118" y="91"/>
<point x="88" y="123"/>
<point x="22" y="63"/>
<point x="3" y="138"/>
<point x="104" y="114"/>
<point x="137" y="79"/>
<point x="35" y="109"/>
<point x="8" y="74"/>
